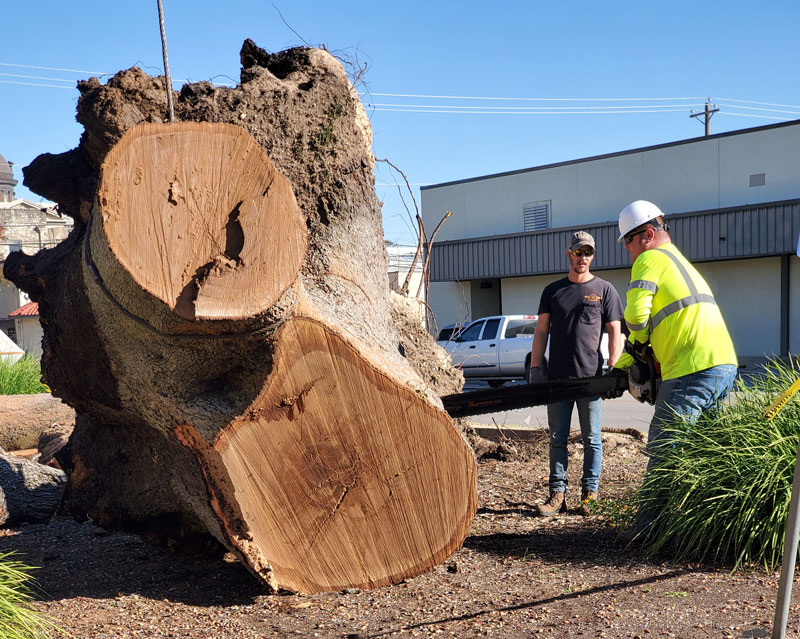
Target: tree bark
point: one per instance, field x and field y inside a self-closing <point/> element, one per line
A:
<point x="29" y="491"/>
<point x="220" y="321"/>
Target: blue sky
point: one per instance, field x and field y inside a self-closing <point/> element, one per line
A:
<point x="591" y="56"/>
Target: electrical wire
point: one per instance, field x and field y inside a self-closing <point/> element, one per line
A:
<point x="467" y="97"/>
<point x="33" y="77"/>
<point x="36" y="84"/>
<point x="531" y="109"/>
<point x="30" y="66"/>
<point x="736" y="106"/>
<point x="753" y="115"/>
<point x="531" y="112"/>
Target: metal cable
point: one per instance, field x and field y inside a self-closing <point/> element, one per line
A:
<point x="166" y="61"/>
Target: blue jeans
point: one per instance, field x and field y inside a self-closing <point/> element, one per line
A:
<point x="559" y="416"/>
<point x="686" y="396"/>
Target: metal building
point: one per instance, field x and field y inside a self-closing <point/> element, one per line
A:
<point x="732" y="199"/>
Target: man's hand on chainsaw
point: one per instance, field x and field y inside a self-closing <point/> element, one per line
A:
<point x="615" y="374"/>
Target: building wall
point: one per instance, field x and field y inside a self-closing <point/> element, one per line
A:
<point x="794" y="305"/>
<point x="747" y="291"/>
<point x="748" y="294"/>
<point x="30" y="227"/>
<point x="9" y="297"/>
<point x="692" y="176"/>
<point x="450" y="302"/>
<point x="29" y="335"/>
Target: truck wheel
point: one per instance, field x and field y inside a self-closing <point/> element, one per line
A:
<point x="496" y="383"/>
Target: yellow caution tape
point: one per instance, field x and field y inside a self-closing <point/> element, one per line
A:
<point x="781" y="400"/>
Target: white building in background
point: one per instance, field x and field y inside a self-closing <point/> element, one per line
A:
<point x="24" y="226"/>
<point x="28" y="329"/>
<point x="732" y="199"/>
<point x="401" y="261"/>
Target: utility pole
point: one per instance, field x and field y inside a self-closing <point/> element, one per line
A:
<point x="710" y="110"/>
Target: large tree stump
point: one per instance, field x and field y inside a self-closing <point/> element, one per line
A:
<point x="220" y="321"/>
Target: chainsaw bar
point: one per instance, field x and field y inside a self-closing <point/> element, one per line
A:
<point x="494" y="400"/>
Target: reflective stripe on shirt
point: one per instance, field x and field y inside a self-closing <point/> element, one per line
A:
<point x="693" y="298"/>
<point x="647" y="286"/>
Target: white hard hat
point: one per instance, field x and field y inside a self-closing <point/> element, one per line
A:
<point x="636" y="214"/>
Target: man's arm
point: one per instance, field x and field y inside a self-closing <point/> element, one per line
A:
<point x="615" y="340"/>
<point x="540" y="340"/>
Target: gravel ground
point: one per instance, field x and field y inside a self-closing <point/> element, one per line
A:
<point x="516" y="576"/>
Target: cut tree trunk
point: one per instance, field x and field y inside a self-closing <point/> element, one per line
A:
<point x="29" y="491"/>
<point x="24" y="417"/>
<point x="221" y="324"/>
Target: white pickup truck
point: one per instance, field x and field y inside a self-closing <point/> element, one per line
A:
<point x="496" y="348"/>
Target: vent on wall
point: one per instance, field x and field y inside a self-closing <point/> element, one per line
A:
<point x="536" y="216"/>
<point x="758" y="179"/>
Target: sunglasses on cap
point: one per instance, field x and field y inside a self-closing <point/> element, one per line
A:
<point x="587" y="251"/>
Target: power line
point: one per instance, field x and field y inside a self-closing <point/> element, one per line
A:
<point x="532" y="109"/>
<point x="30" y="66"/>
<point x="36" y="84"/>
<point x="466" y="97"/>
<point x="33" y="77"/>
<point x="790" y="106"/>
<point x="736" y="106"/>
<point x="530" y="112"/>
<point x="753" y="115"/>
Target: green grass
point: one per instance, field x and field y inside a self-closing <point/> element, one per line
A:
<point x="22" y="377"/>
<point x="18" y="618"/>
<point x="723" y="487"/>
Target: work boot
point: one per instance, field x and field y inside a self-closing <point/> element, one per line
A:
<point x="588" y="503"/>
<point x="554" y="505"/>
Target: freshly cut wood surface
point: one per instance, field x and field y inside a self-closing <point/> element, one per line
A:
<point x="345" y="479"/>
<point x="200" y="218"/>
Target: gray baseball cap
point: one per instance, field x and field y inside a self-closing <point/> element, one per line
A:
<point x="579" y="239"/>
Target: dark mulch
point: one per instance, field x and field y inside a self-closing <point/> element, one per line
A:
<point x="516" y="576"/>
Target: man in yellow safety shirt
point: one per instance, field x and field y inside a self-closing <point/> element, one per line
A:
<point x="670" y="306"/>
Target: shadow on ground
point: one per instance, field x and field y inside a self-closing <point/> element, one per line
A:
<point x="82" y="560"/>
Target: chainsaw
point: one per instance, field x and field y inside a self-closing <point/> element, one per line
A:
<point x="642" y="380"/>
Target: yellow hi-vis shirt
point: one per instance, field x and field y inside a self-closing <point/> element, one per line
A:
<point x="670" y="304"/>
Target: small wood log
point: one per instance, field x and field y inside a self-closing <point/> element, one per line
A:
<point x="24" y="417"/>
<point x="29" y="491"/>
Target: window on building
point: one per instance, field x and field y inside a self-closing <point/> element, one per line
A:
<point x="13" y="245"/>
<point x="758" y="179"/>
<point x="536" y="216"/>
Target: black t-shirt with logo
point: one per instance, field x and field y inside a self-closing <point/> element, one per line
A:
<point x="578" y="315"/>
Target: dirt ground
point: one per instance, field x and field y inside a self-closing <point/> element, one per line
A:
<point x="516" y="576"/>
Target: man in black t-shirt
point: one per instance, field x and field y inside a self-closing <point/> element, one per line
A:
<point x="573" y="312"/>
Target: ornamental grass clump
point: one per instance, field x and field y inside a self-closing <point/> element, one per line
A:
<point x="23" y="377"/>
<point x="18" y="618"/>
<point x="723" y="487"/>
